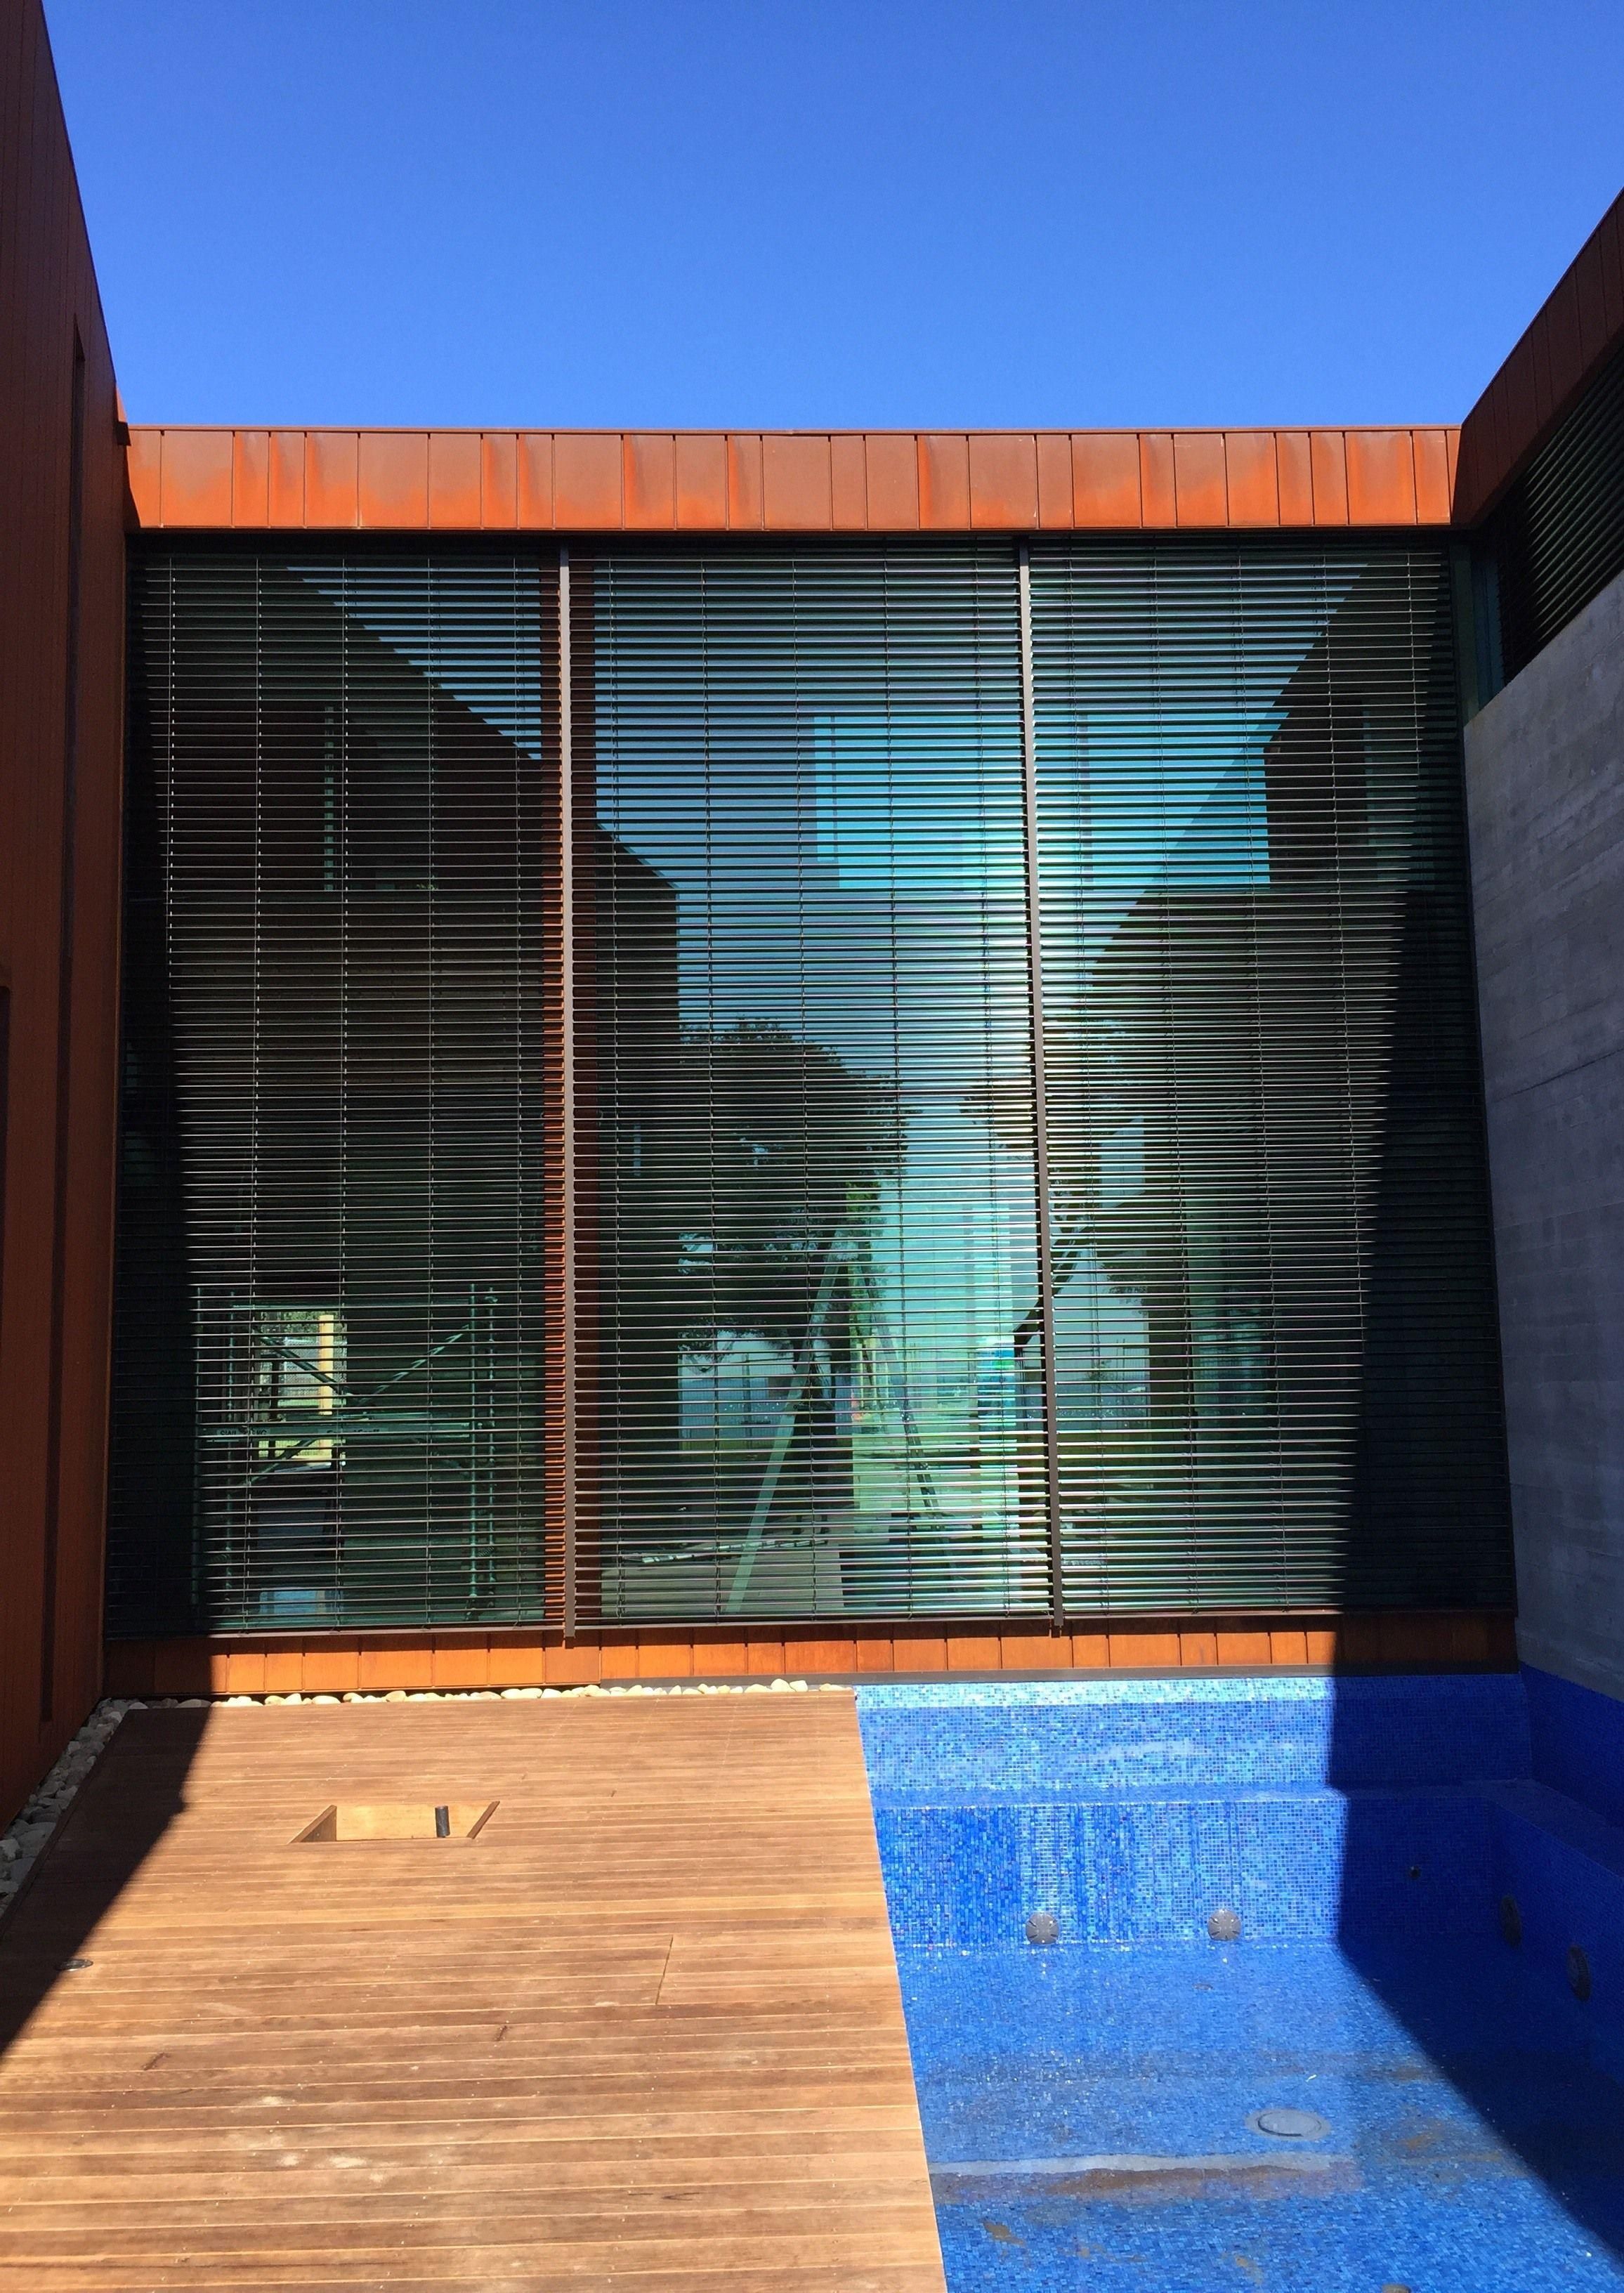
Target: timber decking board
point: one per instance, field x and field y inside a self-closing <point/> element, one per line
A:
<point x="644" y="2028"/>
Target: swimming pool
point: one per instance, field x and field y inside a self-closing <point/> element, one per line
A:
<point x="1097" y="2111"/>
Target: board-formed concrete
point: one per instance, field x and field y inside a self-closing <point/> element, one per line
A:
<point x="1544" y="784"/>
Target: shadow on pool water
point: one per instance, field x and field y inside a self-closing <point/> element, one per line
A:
<point x="1094" y="2110"/>
<point x="1090" y="2113"/>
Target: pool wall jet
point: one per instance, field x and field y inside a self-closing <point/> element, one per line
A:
<point x="1356" y="1811"/>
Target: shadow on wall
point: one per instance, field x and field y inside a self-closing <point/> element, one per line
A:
<point x="119" y="1817"/>
<point x="1484" y="1909"/>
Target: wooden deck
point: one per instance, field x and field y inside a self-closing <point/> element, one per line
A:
<point x="643" y="2031"/>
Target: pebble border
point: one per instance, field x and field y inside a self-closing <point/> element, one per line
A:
<point x="24" y="1841"/>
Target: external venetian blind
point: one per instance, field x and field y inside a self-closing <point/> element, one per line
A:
<point x="1557" y="538"/>
<point x="336" y="1057"/>
<point x="741" y="1311"/>
<point x="1277" y="1379"/>
<point x="809" y="1185"/>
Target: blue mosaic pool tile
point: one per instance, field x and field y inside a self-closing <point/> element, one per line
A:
<point x="1017" y="1740"/>
<point x="1365" y="1831"/>
<point x="1578" y="1741"/>
<point x="1121" y="1868"/>
<point x="1464" y="2150"/>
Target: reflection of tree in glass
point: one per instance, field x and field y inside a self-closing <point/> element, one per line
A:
<point x="1109" y="1084"/>
<point x="1113" y="1165"/>
<point x="786" y="1150"/>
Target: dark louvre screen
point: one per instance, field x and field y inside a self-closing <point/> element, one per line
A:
<point x="740" y="1311"/>
<point x="813" y="1197"/>
<point x="1275" y="1327"/>
<point x="339" y="860"/>
<point x="1557" y="538"/>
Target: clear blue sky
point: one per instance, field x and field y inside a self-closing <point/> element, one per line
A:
<point x="808" y="212"/>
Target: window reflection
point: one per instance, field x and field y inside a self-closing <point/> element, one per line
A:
<point x="816" y="1242"/>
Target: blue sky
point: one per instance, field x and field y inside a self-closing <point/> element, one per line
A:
<point x="831" y="211"/>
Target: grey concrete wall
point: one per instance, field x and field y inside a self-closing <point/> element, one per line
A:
<point x="1545" y="788"/>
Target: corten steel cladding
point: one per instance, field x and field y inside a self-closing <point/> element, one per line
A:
<point x="61" y="575"/>
<point x="1556" y="539"/>
<point x="1574" y="334"/>
<point x="814" y="831"/>
<point x="876" y="482"/>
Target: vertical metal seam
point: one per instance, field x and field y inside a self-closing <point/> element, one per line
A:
<point x="566" y="1075"/>
<point x="1040" y="1108"/>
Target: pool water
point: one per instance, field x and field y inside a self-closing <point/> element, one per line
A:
<point x="1094" y="2107"/>
<point x="1088" y="2121"/>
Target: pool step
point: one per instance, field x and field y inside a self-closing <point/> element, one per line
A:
<point x="1297" y="1862"/>
<point x="1012" y="1740"/>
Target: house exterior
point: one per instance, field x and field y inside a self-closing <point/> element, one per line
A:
<point x="723" y="1052"/>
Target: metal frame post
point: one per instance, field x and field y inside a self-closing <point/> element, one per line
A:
<point x="1040" y="1107"/>
<point x="566" y="1055"/>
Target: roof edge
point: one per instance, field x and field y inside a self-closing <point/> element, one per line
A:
<point x="1570" y="337"/>
<point x="203" y="478"/>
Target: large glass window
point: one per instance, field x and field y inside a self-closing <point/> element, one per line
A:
<point x="338" y="859"/>
<point x="812" y="1200"/>
<point x="1275" y="1355"/>
<point x="799" y="1247"/>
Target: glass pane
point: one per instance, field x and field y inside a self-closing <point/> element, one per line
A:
<point x="813" y="1176"/>
<point x="1274" y="1346"/>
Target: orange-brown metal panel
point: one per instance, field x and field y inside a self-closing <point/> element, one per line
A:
<point x="1251" y="477"/>
<point x="1611" y="239"/>
<point x="197" y="488"/>
<point x="145" y="466"/>
<point x="250" y="478"/>
<point x="59" y="909"/>
<point x="891" y="462"/>
<point x="1590" y="301"/>
<point x="1565" y="340"/>
<point x="499" y="480"/>
<point x="1381" y="478"/>
<point x="1578" y="325"/>
<point x="1201" y="495"/>
<point x="944" y="481"/>
<point x="1327" y="461"/>
<point x="536" y="481"/>
<point x="702" y="483"/>
<point x="587" y="481"/>
<point x="1003" y="481"/>
<point x="1055" y="480"/>
<point x="1432" y="476"/>
<point x="796" y="487"/>
<point x="455" y="494"/>
<point x="286" y="489"/>
<point x="1157" y="495"/>
<point x="332" y="478"/>
<point x="1486" y="445"/>
<point x="1517" y="411"/>
<point x="744" y="481"/>
<point x="648" y="481"/>
<point x="1294" y="472"/>
<point x="1105" y="489"/>
<point x="786" y="482"/>
<point x="1544" y="398"/>
<point x="848" y="484"/>
<point x="392" y="479"/>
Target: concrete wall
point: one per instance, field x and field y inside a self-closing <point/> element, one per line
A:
<point x="62" y="707"/>
<point x="1545" y="783"/>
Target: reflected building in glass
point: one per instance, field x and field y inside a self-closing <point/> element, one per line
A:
<point x="1018" y="1152"/>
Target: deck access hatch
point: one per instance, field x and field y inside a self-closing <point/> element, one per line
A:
<point x="444" y="1819"/>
